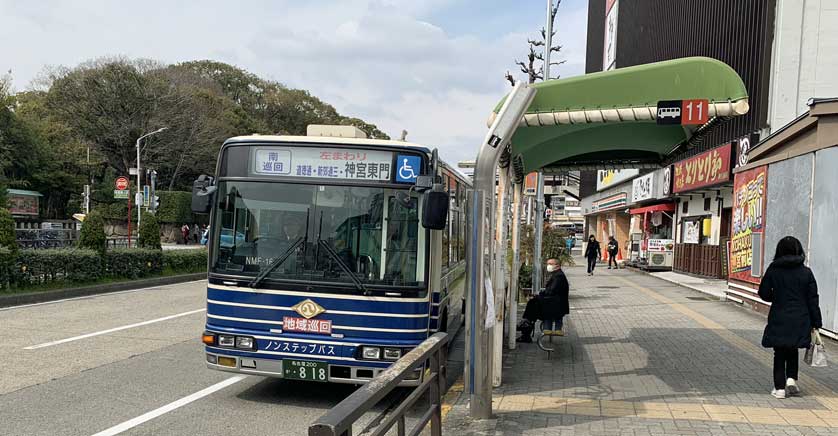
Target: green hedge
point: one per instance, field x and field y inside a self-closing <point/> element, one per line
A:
<point x="185" y="260"/>
<point x="133" y="263"/>
<point x="31" y="268"/>
<point x="7" y="264"/>
<point x="44" y="266"/>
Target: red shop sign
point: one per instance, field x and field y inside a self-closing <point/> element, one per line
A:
<point x="706" y="169"/>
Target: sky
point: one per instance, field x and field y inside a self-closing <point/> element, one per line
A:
<point x="432" y="67"/>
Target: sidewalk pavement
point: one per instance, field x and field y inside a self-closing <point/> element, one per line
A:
<point x="643" y="356"/>
<point x="714" y="287"/>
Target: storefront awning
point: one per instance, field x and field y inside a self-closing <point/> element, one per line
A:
<point x="609" y="118"/>
<point x="665" y="207"/>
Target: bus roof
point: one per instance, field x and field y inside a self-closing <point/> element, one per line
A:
<point x="327" y="140"/>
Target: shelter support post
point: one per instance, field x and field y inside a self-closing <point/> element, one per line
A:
<point x="478" y="328"/>
<point x="538" y="234"/>
<point x="512" y="306"/>
<point x="498" y="272"/>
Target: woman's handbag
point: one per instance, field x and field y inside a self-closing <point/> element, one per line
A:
<point x="816" y="353"/>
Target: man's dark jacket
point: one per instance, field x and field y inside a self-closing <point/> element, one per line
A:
<point x="555" y="296"/>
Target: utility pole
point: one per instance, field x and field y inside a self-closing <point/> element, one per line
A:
<point x="539" y="192"/>
<point x="139" y="172"/>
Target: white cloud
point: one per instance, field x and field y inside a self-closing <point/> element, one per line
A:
<point x="375" y="59"/>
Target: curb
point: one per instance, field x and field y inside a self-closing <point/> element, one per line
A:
<point x="61" y="294"/>
<point x="683" y="285"/>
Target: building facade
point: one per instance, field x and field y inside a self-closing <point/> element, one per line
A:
<point x="740" y="34"/>
<point x="787" y="188"/>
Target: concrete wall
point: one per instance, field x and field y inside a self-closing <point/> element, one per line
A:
<point x="822" y="252"/>
<point x="804" y="63"/>
<point x="787" y="210"/>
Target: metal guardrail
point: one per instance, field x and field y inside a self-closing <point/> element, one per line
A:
<point x="119" y="242"/>
<point x="46" y="238"/>
<point x="339" y="420"/>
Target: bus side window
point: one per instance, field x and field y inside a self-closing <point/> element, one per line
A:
<point x="446" y="239"/>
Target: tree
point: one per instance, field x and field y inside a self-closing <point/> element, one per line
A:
<point x="109" y="102"/>
<point x="149" y="234"/>
<point x="7" y="231"/>
<point x="92" y="235"/>
<point x="529" y="67"/>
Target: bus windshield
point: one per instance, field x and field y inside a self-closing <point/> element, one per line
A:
<point x="361" y="236"/>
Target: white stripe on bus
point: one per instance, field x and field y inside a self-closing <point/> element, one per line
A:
<point x="335" y="327"/>
<point x="318" y="295"/>
<point x="337" y="312"/>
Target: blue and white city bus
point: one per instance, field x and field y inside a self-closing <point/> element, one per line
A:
<point x="330" y="255"/>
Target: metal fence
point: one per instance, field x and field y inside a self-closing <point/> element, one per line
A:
<point x="46" y="238"/>
<point x="339" y="420"/>
<point x="120" y="242"/>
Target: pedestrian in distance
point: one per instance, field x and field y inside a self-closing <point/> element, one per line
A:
<point x="592" y="253"/>
<point x="184" y="231"/>
<point x="790" y="287"/>
<point x="613" y="247"/>
<point x="550" y="305"/>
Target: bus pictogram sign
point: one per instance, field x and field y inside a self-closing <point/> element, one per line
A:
<point x="683" y="112"/>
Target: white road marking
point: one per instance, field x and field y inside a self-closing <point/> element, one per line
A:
<point x="106" y="294"/>
<point x="115" y="329"/>
<point x="131" y="423"/>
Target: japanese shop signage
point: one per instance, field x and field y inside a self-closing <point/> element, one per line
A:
<point x="641" y="187"/>
<point x="608" y="178"/>
<point x="706" y="169"/>
<point x="326" y="163"/>
<point x="749" y="202"/>
<point x="613" y="202"/>
<point x="321" y="326"/>
<point x="660" y="245"/>
<point x="530" y="183"/>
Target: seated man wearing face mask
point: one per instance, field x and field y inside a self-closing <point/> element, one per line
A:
<point x="550" y="306"/>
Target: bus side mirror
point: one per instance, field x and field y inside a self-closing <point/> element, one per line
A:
<point x="435" y="208"/>
<point x="203" y="192"/>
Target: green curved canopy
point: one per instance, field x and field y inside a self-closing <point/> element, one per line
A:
<point x="609" y="117"/>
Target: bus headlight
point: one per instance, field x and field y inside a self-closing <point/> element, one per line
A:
<point x="245" y="342"/>
<point x="227" y="340"/>
<point x="372" y="353"/>
<point x="392" y="353"/>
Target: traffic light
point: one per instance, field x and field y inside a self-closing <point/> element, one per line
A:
<point x="155" y="202"/>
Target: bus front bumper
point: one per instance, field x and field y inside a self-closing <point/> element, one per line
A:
<point x="347" y="374"/>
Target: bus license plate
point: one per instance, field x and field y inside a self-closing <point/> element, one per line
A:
<point x="306" y="370"/>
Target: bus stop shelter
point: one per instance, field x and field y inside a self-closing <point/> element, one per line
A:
<point x="596" y="121"/>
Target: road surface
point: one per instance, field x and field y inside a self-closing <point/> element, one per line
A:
<point x="132" y="363"/>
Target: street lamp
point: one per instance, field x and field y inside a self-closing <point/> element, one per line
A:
<point x="138" y="170"/>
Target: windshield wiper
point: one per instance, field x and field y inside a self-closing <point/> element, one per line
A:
<point x="331" y="252"/>
<point x="279" y="261"/>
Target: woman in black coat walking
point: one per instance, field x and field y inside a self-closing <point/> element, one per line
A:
<point x="592" y="253"/>
<point x="791" y="289"/>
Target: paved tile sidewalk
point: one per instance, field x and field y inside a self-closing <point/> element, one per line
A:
<point x="643" y="356"/>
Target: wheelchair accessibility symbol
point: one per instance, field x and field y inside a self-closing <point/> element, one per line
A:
<point x="408" y="168"/>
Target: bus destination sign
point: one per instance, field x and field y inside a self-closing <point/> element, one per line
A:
<point x="322" y="163"/>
